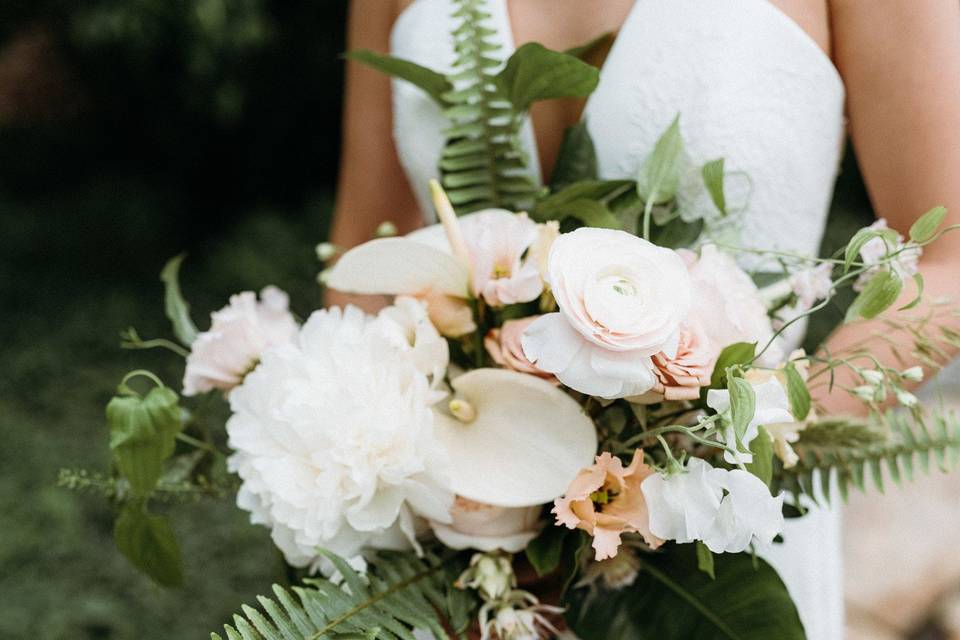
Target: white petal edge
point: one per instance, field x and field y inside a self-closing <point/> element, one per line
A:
<point x="456" y="540"/>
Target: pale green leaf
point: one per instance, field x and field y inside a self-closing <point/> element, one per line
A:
<point x="926" y="226"/>
<point x="734" y="354"/>
<point x="881" y="291"/>
<point x="762" y="449"/>
<point x="705" y="560"/>
<point x="660" y="173"/>
<point x="743" y="404"/>
<point x="918" y="280"/>
<point x="142" y="435"/>
<point x="175" y="307"/>
<point x="797" y="392"/>
<point x="713" y="179"/>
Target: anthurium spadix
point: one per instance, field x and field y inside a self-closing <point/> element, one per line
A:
<point x="520" y="442"/>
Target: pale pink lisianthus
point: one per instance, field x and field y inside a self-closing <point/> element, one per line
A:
<point x="504" y="347"/>
<point x="682" y="376"/>
<point x="497" y="240"/>
<point x="475" y="525"/>
<point x="239" y="334"/>
<point x="606" y="501"/>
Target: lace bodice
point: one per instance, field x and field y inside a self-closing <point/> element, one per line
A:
<point x="750" y="86"/>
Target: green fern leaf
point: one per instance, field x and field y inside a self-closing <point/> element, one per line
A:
<point x="399" y="592"/>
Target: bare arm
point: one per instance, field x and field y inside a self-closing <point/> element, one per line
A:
<point x="901" y="64"/>
<point x="372" y="187"/>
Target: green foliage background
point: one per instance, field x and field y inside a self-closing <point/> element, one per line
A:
<point x="207" y="126"/>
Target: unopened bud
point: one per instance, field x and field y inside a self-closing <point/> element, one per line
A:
<point x="872" y="376"/>
<point x="462" y="410"/>
<point x="913" y="374"/>
<point x="906" y="399"/>
<point x="865" y="392"/>
<point x="327" y="250"/>
<point x="386" y="230"/>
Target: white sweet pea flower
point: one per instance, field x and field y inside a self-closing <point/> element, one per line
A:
<point x="239" y="334"/>
<point x="622" y="300"/>
<point x="772" y="407"/>
<point x="727" y="510"/>
<point x="334" y="441"/>
<point x="906" y="264"/>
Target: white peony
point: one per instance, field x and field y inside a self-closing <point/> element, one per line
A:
<point x="409" y="327"/>
<point x="334" y="440"/>
<point x="622" y="300"/>
<point x="727" y="304"/>
<point x="239" y="333"/>
<point x="727" y="510"/>
<point x="772" y="407"/>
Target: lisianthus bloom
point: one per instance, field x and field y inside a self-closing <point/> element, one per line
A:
<point x="876" y="249"/>
<point x="504" y="347"/>
<point x="727" y="510"/>
<point x="239" y="334"/>
<point x="682" y="376"/>
<point x="497" y="241"/>
<point x="485" y="527"/>
<point x="621" y="301"/>
<point x="727" y="304"/>
<point x="334" y="442"/>
<point x="606" y="501"/>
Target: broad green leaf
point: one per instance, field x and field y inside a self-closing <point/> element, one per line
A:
<point x="671" y="599"/>
<point x="594" y="52"/>
<point x="705" y="560"/>
<point x="148" y="542"/>
<point x="535" y="73"/>
<point x="797" y="392"/>
<point x="918" y="280"/>
<point x="677" y="234"/>
<point x="546" y="550"/>
<point x="926" y="226"/>
<point x="592" y="214"/>
<point x="660" y="173"/>
<point x="881" y="291"/>
<point x="176" y="308"/>
<point x="737" y="353"/>
<point x="557" y="205"/>
<point x="577" y="159"/>
<point x="743" y="404"/>
<point x="762" y="449"/>
<point x="433" y="83"/>
<point x="713" y="179"/>
<point x="142" y="435"/>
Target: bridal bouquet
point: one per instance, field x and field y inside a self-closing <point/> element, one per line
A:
<point x="575" y="409"/>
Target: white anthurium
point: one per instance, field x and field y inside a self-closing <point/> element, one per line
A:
<point x="521" y="442"/>
<point x="772" y="407"/>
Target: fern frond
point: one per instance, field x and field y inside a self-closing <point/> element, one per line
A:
<point x="398" y="593"/>
<point x="842" y="454"/>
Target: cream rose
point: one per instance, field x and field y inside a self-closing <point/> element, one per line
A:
<point x="621" y="301"/>
<point x="484" y="527"/>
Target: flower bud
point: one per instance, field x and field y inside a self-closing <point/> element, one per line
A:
<point x="913" y="374"/>
<point x="462" y="410"/>
<point x="906" y="398"/>
<point x="864" y="392"/>
<point x="489" y="573"/>
<point x="872" y="376"/>
<point x="326" y="251"/>
<point x="386" y="230"/>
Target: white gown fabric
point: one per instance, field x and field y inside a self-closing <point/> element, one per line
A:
<point x="750" y="86"/>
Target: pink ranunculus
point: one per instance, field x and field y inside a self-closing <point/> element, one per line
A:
<point x="504" y="347"/>
<point x="727" y="304"/>
<point x="485" y="527"/>
<point x="606" y="501"/>
<point x="681" y="377"/>
<point x="622" y="300"/>
<point x="239" y="334"/>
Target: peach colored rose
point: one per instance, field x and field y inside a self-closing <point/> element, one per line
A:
<point x="605" y="500"/>
<point x="484" y="527"/>
<point x="681" y="377"/>
<point x="504" y="347"/>
<point x="451" y="316"/>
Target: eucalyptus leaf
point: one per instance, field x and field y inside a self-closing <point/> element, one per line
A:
<point x="535" y="73"/>
<point x="148" y="542"/>
<point x="577" y="159"/>
<point x="737" y="353"/>
<point x="926" y="226"/>
<point x="433" y="83"/>
<point x="797" y="392"/>
<point x="713" y="179"/>
<point x="546" y="550"/>
<point x="743" y="405"/>
<point x="671" y="598"/>
<point x="881" y="291"/>
<point x="175" y="307"/>
<point x="660" y="173"/>
<point x="762" y="449"/>
<point x="142" y="435"/>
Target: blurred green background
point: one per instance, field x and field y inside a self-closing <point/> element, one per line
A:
<point x="132" y="130"/>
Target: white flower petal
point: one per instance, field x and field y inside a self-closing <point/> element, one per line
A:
<point x="398" y="266"/>
<point x="513" y="543"/>
<point x="528" y="441"/>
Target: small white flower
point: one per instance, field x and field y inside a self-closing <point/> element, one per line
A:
<point x="772" y="407"/>
<point x="239" y="334"/>
<point x="811" y="285"/>
<point x="622" y="300"/>
<point x="727" y="510"/>
<point x="867" y="393"/>
<point x="519" y="616"/>
<point x="875" y="250"/>
<point x="489" y="573"/>
<point x="906" y="399"/>
<point x="913" y="374"/>
<point x="872" y="376"/>
<point x="334" y="441"/>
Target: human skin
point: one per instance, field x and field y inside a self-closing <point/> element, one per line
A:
<point x="900" y="62"/>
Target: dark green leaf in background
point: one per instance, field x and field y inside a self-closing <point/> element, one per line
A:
<point x="535" y="73"/>
<point x="705" y="560"/>
<point x="148" y="543"/>
<point x="762" y="449"/>
<point x="433" y="83"/>
<point x="737" y="353"/>
<point x="545" y="551"/>
<point x="176" y="308"/>
<point x="577" y="159"/>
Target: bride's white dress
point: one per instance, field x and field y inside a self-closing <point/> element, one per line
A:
<point x="752" y="87"/>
